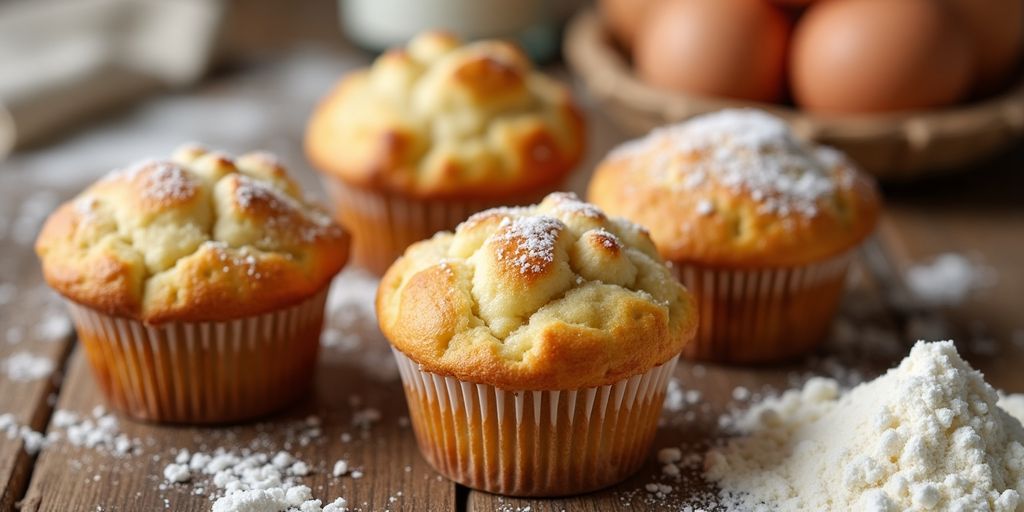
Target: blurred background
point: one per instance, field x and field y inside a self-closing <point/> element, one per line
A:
<point x="925" y="94"/>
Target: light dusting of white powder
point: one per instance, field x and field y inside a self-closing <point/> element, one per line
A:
<point x="250" y="193"/>
<point x="528" y="243"/>
<point x="31" y="440"/>
<point x="167" y="181"/>
<point x="568" y="204"/>
<point x="947" y="280"/>
<point x="705" y="207"/>
<point x="54" y="327"/>
<point x="926" y="435"/>
<point x="747" y="151"/>
<point x="247" y="481"/>
<point x="24" y="367"/>
<point x="99" y="430"/>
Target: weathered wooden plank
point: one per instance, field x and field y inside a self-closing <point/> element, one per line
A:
<point x="33" y="330"/>
<point x="356" y="376"/>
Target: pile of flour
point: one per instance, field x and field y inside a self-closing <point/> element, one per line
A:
<point x="927" y="435"/>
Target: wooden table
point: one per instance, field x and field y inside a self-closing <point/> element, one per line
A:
<point x="979" y="213"/>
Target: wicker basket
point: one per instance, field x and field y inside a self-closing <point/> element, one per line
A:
<point x="893" y="147"/>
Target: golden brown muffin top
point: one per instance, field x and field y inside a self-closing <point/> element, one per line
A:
<point x="737" y="189"/>
<point x="442" y="119"/>
<point x="200" y="237"/>
<point x="550" y="296"/>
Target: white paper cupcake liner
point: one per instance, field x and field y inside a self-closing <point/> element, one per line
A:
<point x="206" y="372"/>
<point x="763" y="315"/>
<point x="534" y="443"/>
<point x="383" y="225"/>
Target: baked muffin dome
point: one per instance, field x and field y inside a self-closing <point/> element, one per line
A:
<point x="441" y="119"/>
<point x="199" y="237"/>
<point x="737" y="189"/>
<point x="551" y="296"/>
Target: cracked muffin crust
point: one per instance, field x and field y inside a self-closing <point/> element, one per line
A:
<point x="551" y="296"/>
<point x="441" y="119"/>
<point x="199" y="237"/>
<point x="736" y="188"/>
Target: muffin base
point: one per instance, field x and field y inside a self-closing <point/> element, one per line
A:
<point x="534" y="443"/>
<point x="383" y="225"/>
<point x="208" y="372"/>
<point x="763" y="315"/>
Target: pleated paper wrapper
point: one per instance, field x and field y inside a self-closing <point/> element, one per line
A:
<point x="383" y="225"/>
<point x="534" y="443"/>
<point x="763" y="315"/>
<point x="207" y="372"/>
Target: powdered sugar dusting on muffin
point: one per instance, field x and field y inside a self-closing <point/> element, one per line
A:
<point x="607" y="239"/>
<point x="747" y="151"/>
<point x="162" y="180"/>
<point x="251" y="193"/>
<point x="528" y="243"/>
<point x="568" y="203"/>
<point x="166" y="181"/>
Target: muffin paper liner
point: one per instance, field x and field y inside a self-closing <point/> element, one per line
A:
<point x="763" y="315"/>
<point x="534" y="443"/>
<point x="206" y="372"/>
<point x="383" y="225"/>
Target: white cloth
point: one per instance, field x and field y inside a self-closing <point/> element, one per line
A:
<point x="62" y="61"/>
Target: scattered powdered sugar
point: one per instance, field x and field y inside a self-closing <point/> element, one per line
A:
<point x="365" y="418"/>
<point x="23" y="367"/>
<point x="53" y="327"/>
<point x="163" y="181"/>
<point x="246" y="481"/>
<point x="748" y="151"/>
<point x="250" y="193"/>
<point x="234" y="258"/>
<point x="340" y="468"/>
<point x="569" y="204"/>
<point x="350" y="326"/>
<point x="297" y="498"/>
<point x="32" y="441"/>
<point x="166" y="181"/>
<point x="705" y="207"/>
<point x="947" y="280"/>
<point x="607" y="239"/>
<point x="100" y="430"/>
<point x="528" y="243"/>
<point x="926" y="435"/>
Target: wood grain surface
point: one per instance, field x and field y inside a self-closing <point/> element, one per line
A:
<point x="31" y="323"/>
<point x="263" y="103"/>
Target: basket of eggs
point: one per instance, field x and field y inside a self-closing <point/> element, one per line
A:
<point x="904" y="87"/>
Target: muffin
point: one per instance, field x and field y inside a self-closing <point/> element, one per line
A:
<point x="535" y="345"/>
<point x="434" y="132"/>
<point x="758" y="224"/>
<point x="196" y="284"/>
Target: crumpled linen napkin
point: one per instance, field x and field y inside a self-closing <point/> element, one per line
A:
<point x="63" y="61"/>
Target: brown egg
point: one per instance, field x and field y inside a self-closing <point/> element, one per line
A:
<point x="729" y="48"/>
<point x="793" y="3"/>
<point x="860" y="56"/>
<point x="996" y="32"/>
<point x="623" y="18"/>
